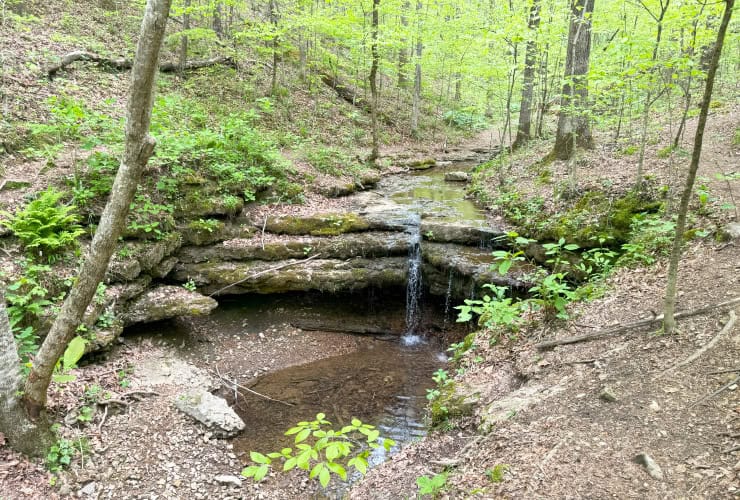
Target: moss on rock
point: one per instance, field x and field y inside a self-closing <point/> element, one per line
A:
<point x="330" y="224"/>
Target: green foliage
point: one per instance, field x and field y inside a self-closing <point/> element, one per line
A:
<point x="497" y="310"/>
<point x="330" y="160"/>
<point x="459" y="349"/>
<point x="552" y="293"/>
<point x="465" y="119"/>
<point x="95" y="182"/>
<point x="28" y="301"/>
<point x="72" y="354"/>
<point x="736" y="137"/>
<point x="651" y="237"/>
<point x="497" y="472"/>
<point x="431" y="486"/>
<point x="45" y="225"/>
<point x="190" y="285"/>
<point x="555" y="253"/>
<point x="322" y="450"/>
<point x="60" y="455"/>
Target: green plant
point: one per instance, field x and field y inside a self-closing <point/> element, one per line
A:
<point x="552" y="293"/>
<point x="72" y="354"/>
<point x="60" y="455"/>
<point x="190" y="285"/>
<point x="45" y="225"/>
<point x="431" y="486"/>
<point x="555" y="253"/>
<point x="496" y="310"/>
<point x="322" y="450"/>
<point x="208" y="225"/>
<point x="497" y="472"/>
<point x="651" y="236"/>
<point x="459" y="349"/>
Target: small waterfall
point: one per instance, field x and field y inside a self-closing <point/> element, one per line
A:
<point x="448" y="299"/>
<point x="413" y="285"/>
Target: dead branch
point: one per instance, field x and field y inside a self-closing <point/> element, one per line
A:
<point x="228" y="382"/>
<point x="256" y="275"/>
<point x="715" y="393"/>
<point x="617" y="329"/>
<point x="729" y="370"/>
<point x="727" y="328"/>
<point x="123" y="64"/>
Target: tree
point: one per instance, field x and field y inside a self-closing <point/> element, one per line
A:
<point x="524" y="129"/>
<point x="139" y="147"/>
<point x="669" y="323"/>
<point x="574" y="127"/>
<point x="375" y="154"/>
<point x="416" y="99"/>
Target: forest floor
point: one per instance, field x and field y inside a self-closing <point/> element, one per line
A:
<point x="581" y="415"/>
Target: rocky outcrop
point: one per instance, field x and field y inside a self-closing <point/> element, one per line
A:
<point x="211" y="411"/>
<point x="463" y="233"/>
<point x="325" y="275"/>
<point x="164" y="302"/>
<point x="329" y="224"/>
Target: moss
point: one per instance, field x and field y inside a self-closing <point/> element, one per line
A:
<point x="452" y="402"/>
<point x="318" y="225"/>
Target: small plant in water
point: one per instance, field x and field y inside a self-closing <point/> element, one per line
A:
<point x="322" y="450"/>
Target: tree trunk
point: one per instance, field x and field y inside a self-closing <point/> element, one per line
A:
<point x="23" y="435"/>
<point x="374" y="155"/>
<point x="524" y="129"/>
<point x="184" y="39"/>
<point x="669" y="323"/>
<point x="275" y="43"/>
<point x="416" y="102"/>
<point x="574" y="127"/>
<point x="218" y="26"/>
<point x="403" y="52"/>
<point x="139" y="147"/>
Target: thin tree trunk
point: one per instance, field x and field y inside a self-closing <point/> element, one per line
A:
<point x="375" y="154"/>
<point x="218" y="26"/>
<point x="669" y="323"/>
<point x="139" y="147"/>
<point x="275" y="43"/>
<point x="524" y="128"/>
<point x="403" y="52"/>
<point x="416" y="99"/>
<point x="184" y="39"/>
<point x="574" y="126"/>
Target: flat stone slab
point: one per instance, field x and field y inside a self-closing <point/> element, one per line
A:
<point x="211" y="411"/>
<point x="164" y="302"/>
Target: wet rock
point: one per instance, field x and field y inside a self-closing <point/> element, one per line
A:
<point x="329" y="224"/>
<point x="461" y="233"/>
<point x="457" y="177"/>
<point x="328" y="275"/>
<point x="346" y="246"/>
<point x="165" y="302"/>
<point x="211" y="411"/>
<point x="418" y="163"/>
<point x="650" y="465"/>
<point x="227" y="479"/>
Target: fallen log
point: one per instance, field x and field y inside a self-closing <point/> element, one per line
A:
<point x="617" y="329"/>
<point x="123" y="64"/>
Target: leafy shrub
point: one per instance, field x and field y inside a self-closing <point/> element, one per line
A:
<point x="431" y="486"/>
<point x="497" y="310"/>
<point x="322" y="450"/>
<point x="651" y="237"/>
<point x="465" y="119"/>
<point x="45" y="224"/>
<point x="552" y="293"/>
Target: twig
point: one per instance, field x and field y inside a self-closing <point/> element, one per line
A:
<point x="229" y="382"/>
<point x="262" y="238"/>
<point x="615" y="330"/>
<point x="730" y="450"/>
<point x="102" y="420"/>
<point x="727" y="328"/>
<point x="276" y="268"/>
<point x="729" y="370"/>
<point x="718" y="391"/>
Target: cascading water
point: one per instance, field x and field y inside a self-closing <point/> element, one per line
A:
<point x="448" y="299"/>
<point x="413" y="285"/>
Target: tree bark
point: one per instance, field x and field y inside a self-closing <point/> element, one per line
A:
<point x="375" y="153"/>
<point x="524" y="128"/>
<point x="22" y="434"/>
<point x="184" y="39"/>
<point x="403" y="52"/>
<point x="669" y="323"/>
<point x="139" y="147"/>
<point x="574" y="127"/>
<point x="416" y="99"/>
<point x="275" y="44"/>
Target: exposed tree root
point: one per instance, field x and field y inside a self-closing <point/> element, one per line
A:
<point x="123" y="64"/>
<point x="617" y="329"/>
<point x="727" y="328"/>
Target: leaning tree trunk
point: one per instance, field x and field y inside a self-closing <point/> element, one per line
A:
<point x="669" y="323"/>
<point x="23" y="434"/>
<point x="524" y="129"/>
<point x="574" y="127"/>
<point x="139" y="147"/>
<point x="375" y="154"/>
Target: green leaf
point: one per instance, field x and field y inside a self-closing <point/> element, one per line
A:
<point x="360" y="464"/>
<point x="504" y="267"/>
<point x="316" y="470"/>
<point x="338" y="470"/>
<point x="324" y="477"/>
<point x="302" y="435"/>
<point x="259" y="458"/>
<point x="356" y="422"/>
<point x="60" y="378"/>
<point x="249" y="471"/>
<point x="290" y="464"/>
<point x="74" y="352"/>
<point x="261" y="472"/>
<point x="332" y="452"/>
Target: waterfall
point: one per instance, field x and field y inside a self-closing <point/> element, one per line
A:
<point x="448" y="299"/>
<point x="413" y="285"/>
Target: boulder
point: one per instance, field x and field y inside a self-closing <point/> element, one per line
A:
<point x="346" y="246"/>
<point x="730" y="232"/>
<point x="326" y="275"/>
<point x="164" y="302"/>
<point x="212" y="411"/>
<point x="457" y="176"/>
